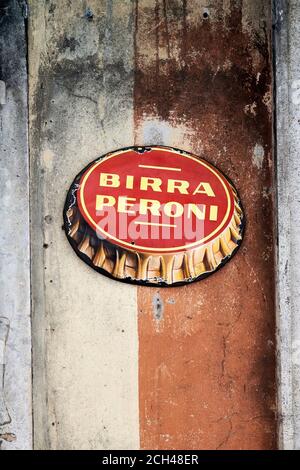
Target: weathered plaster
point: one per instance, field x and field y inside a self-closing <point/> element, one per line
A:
<point x="207" y="360"/>
<point x="287" y="46"/>
<point x="84" y="325"/>
<point x="82" y="322"/>
<point x="15" y="335"/>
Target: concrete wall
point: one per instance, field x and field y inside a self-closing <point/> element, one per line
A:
<point x="117" y="366"/>
<point x="287" y="46"/>
<point x="92" y="70"/>
<point x="15" y="335"/>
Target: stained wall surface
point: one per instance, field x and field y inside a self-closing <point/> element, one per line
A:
<point x="116" y="366"/>
<point x="15" y="321"/>
<point x="287" y="67"/>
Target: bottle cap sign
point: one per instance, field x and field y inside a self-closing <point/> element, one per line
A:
<point x="153" y="215"/>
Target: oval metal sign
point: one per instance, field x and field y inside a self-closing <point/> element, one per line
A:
<point x="153" y="215"/>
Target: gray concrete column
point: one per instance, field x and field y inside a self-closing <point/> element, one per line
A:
<point x="287" y="121"/>
<point x="15" y="330"/>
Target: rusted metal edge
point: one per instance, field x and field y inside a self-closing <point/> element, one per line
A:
<point x="71" y="202"/>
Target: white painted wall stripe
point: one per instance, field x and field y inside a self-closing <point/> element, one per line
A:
<point x="85" y="325"/>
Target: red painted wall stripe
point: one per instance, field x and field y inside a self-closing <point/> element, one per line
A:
<point x="206" y="351"/>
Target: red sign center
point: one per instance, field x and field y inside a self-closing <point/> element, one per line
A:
<point x="156" y="200"/>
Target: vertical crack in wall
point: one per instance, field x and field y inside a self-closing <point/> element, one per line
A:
<point x="4" y="330"/>
<point x="14" y="235"/>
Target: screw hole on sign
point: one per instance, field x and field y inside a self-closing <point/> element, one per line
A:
<point x="89" y="14"/>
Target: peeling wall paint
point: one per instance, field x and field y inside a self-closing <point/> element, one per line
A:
<point x="258" y="156"/>
<point x="85" y="347"/>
